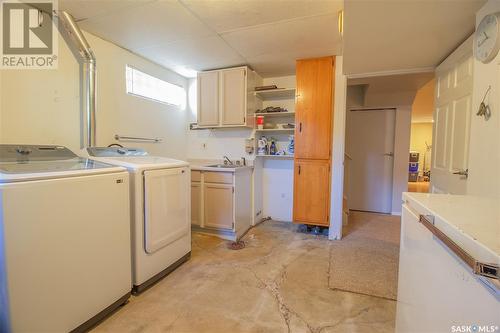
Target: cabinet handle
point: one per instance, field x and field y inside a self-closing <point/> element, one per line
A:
<point x="300" y="127"/>
<point x="490" y="270"/>
<point x="299" y="169"/>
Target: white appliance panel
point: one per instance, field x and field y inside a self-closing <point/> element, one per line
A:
<point x="67" y="245"/>
<point x="166" y="207"/>
<point x="436" y="290"/>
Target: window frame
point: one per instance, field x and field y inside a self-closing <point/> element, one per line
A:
<point x="127" y="67"/>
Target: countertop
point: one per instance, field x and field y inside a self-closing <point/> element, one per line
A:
<point x="202" y="165"/>
<point x="471" y="221"/>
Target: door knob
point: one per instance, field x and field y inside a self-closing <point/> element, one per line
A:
<point x="462" y="173"/>
<point x="391" y="154"/>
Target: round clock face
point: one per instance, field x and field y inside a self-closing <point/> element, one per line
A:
<point x="487" y="42"/>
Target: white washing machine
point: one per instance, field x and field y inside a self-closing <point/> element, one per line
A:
<point x="160" y="208"/>
<point x="66" y="237"/>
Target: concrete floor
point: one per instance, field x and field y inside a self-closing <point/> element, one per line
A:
<point x="278" y="283"/>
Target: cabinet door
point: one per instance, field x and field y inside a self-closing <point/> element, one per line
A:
<point x="311" y="193"/>
<point x="314" y="108"/>
<point x="196" y="203"/>
<point x="233" y="96"/>
<point x="208" y="99"/>
<point x="218" y="206"/>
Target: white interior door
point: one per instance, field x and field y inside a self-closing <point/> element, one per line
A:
<point x="370" y="143"/>
<point x="166" y="207"/>
<point x="452" y="116"/>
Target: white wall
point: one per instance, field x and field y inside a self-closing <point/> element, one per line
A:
<point x="401" y="151"/>
<point x="43" y="106"/>
<point x="484" y="150"/>
<point x="338" y="149"/>
<point x="277" y="175"/>
<point x="277" y="189"/>
<point x="215" y="143"/>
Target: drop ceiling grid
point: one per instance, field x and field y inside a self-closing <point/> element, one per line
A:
<point x="267" y="35"/>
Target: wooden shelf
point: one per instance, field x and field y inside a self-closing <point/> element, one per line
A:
<point x="276" y="130"/>
<point x="273" y="94"/>
<point x="275" y="114"/>
<point x="285" y="157"/>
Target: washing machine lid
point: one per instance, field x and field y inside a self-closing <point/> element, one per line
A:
<point x="30" y="162"/>
<point x="133" y="158"/>
<point x="115" y="151"/>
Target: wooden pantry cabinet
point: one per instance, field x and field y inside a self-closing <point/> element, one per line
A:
<point x="313" y="140"/>
<point x="311" y="191"/>
<point x="226" y="97"/>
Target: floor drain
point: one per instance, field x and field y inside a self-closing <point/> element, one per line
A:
<point x="236" y="245"/>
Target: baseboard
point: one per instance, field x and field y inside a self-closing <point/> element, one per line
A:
<point x="101" y="316"/>
<point x="136" y="290"/>
<point x="396" y="213"/>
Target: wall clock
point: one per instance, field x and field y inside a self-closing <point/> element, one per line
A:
<point x="487" y="38"/>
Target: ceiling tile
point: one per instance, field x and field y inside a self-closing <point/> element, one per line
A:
<point x="198" y="54"/>
<point x="404" y="35"/>
<point x="147" y="25"/>
<point x="229" y="15"/>
<point x="287" y="37"/>
<point x="281" y="64"/>
<point x="84" y="9"/>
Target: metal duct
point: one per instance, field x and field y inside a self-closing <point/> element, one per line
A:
<point x="89" y="74"/>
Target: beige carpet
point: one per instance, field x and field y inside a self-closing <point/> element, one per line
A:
<point x="365" y="261"/>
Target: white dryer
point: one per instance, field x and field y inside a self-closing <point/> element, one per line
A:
<point x="161" y="214"/>
<point x="66" y="237"/>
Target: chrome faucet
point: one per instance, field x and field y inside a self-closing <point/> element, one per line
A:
<point x="227" y="160"/>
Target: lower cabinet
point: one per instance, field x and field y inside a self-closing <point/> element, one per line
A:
<point x="196" y="203"/>
<point x="221" y="202"/>
<point x="311" y="193"/>
<point x="218" y="206"/>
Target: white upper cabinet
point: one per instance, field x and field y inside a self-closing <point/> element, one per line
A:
<point x="224" y="95"/>
<point x="233" y="100"/>
<point x="208" y="97"/>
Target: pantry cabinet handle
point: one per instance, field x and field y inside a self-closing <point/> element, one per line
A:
<point x="489" y="270"/>
<point x="299" y="169"/>
<point x="300" y="127"/>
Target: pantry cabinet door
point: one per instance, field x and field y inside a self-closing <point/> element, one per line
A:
<point x="314" y="108"/>
<point x="234" y="91"/>
<point x="311" y="193"/>
<point x="208" y="99"/>
<point x="218" y="206"/>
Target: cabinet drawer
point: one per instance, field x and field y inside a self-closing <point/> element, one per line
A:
<point x="196" y="176"/>
<point x="218" y="177"/>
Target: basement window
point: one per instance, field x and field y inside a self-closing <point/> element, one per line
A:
<point x="147" y="86"/>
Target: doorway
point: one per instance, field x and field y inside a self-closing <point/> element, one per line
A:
<point x="370" y="145"/>
<point x="420" y="154"/>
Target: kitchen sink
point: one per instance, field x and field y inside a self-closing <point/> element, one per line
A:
<point x="223" y="166"/>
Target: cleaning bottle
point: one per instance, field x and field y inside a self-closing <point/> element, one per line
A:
<point x="273" y="149"/>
